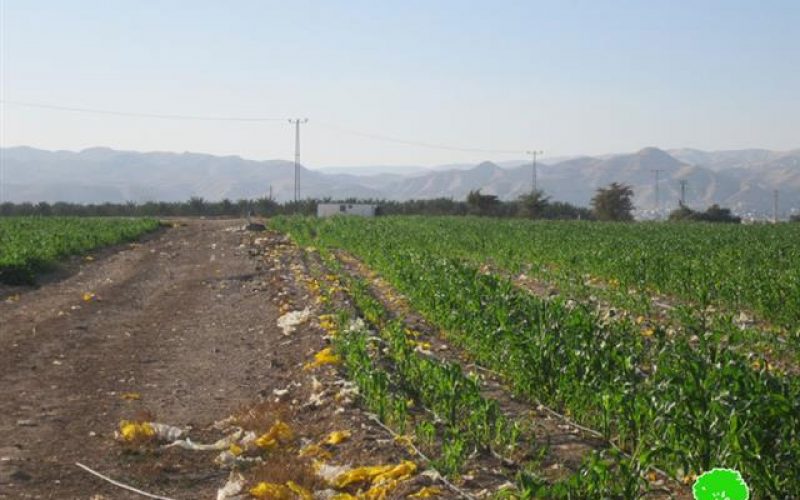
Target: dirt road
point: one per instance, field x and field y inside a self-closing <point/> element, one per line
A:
<point x="181" y="319"/>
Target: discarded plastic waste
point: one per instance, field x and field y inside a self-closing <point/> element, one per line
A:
<point x="323" y="357"/>
<point x="289" y="321"/>
<point x="274" y="491"/>
<point x="298" y="490"/>
<point x="221" y="444"/>
<point x="337" y="437"/>
<point x="279" y="431"/>
<point x="427" y="492"/>
<point x="375" y="474"/>
<point x="130" y="431"/>
<point x="271" y="491"/>
<point x="314" y="450"/>
<point x="232" y="488"/>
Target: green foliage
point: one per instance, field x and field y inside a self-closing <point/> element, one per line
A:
<point x="533" y="205"/>
<point x="482" y="204"/>
<point x="29" y="245"/>
<point x="613" y="203"/>
<point x="685" y="403"/>
<point x="390" y="372"/>
<point x="714" y="213"/>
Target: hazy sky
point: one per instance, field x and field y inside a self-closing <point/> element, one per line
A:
<point x="563" y="76"/>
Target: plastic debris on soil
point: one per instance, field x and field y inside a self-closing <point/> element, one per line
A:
<point x="232" y="488"/>
<point x="130" y="431"/>
<point x="288" y="491"/>
<point x="427" y="492"/>
<point x="337" y="437"/>
<point x="289" y="321"/>
<point x="323" y="357"/>
<point x="279" y="432"/>
<point x="375" y="474"/>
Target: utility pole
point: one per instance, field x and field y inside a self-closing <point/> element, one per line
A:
<point x="297" y="122"/>
<point x="683" y="183"/>
<point x="270" y="192"/>
<point x="657" y="171"/>
<point x="534" y="154"/>
<point x="775" y="206"/>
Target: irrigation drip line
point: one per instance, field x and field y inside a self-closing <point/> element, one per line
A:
<point x="396" y="436"/>
<point x="578" y="426"/>
<point x="121" y="485"/>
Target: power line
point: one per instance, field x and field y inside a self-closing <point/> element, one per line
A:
<point x="334" y="127"/>
<point x="141" y="115"/>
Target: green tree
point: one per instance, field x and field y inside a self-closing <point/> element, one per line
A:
<point x="614" y="202"/>
<point x="482" y="204"/>
<point x="533" y="205"/>
<point x="197" y="205"/>
<point x="714" y="213"/>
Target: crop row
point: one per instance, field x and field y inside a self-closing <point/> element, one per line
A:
<point x="755" y="268"/>
<point x="29" y="245"/>
<point x="680" y="404"/>
<point x="391" y="373"/>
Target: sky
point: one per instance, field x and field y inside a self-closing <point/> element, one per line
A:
<point x="488" y="79"/>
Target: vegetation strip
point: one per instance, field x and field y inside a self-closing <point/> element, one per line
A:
<point x="604" y="474"/>
<point x="682" y="407"/>
<point x="30" y="245"/>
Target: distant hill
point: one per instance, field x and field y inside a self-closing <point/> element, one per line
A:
<point x="742" y="180"/>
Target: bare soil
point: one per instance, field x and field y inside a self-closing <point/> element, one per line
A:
<point x="187" y="320"/>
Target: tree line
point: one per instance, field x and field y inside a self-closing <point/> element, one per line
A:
<point x="532" y="205"/>
<point x="611" y="203"/>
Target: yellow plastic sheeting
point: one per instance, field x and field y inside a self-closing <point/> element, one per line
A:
<point x="427" y="492"/>
<point x="328" y="323"/>
<point x="316" y="451"/>
<point x="337" y="437"/>
<point x="298" y="490"/>
<point x="131" y="431"/>
<point x="279" y="431"/>
<point x="401" y="471"/>
<point x="274" y="491"/>
<point x="323" y="357"/>
<point x="381" y="491"/>
<point x="271" y="491"/>
<point x="375" y="474"/>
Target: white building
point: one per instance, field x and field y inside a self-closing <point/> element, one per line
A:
<point x="330" y="209"/>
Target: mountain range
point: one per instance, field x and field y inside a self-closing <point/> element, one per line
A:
<point x="743" y="180"/>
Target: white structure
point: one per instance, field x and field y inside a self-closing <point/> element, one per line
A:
<point x="330" y="209"/>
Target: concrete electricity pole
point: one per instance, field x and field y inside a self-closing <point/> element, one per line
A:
<point x="658" y="201"/>
<point x="297" y="122"/>
<point x="683" y="183"/>
<point x="775" y="206"/>
<point x="534" y="185"/>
